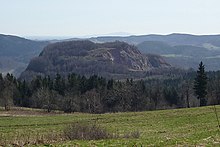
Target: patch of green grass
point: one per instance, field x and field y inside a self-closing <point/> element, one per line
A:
<point x="194" y="126"/>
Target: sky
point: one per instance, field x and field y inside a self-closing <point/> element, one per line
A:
<point x="98" y="17"/>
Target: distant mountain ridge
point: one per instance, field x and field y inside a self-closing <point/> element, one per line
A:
<point x="16" y="52"/>
<point x="113" y="59"/>
<point x="171" y="39"/>
<point x="180" y="50"/>
<point x="183" y="56"/>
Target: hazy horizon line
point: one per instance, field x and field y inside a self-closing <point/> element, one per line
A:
<point x="120" y="34"/>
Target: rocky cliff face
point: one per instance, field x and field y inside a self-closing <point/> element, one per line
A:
<point x="112" y="59"/>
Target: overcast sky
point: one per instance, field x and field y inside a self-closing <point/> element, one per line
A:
<point x="89" y="17"/>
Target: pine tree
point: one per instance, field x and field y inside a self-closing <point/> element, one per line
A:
<point x="200" y="85"/>
<point x="110" y="84"/>
<point x="59" y="84"/>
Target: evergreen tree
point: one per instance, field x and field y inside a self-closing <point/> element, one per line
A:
<point x="200" y="85"/>
<point x="59" y="84"/>
<point x="110" y="84"/>
<point x="8" y="91"/>
<point x="24" y="91"/>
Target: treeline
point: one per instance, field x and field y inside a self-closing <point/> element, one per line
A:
<point x="95" y="94"/>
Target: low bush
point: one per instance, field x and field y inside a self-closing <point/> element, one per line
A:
<point x="86" y="132"/>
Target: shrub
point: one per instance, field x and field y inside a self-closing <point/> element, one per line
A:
<point x="86" y="132"/>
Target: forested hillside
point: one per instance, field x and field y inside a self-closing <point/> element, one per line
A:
<point x="117" y="60"/>
<point x="179" y="50"/>
<point x="16" y="53"/>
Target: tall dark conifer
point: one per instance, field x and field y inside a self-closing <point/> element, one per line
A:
<point x="200" y="85"/>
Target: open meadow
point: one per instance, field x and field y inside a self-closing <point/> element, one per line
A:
<point x="190" y="127"/>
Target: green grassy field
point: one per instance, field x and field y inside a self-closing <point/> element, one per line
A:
<point x="190" y="127"/>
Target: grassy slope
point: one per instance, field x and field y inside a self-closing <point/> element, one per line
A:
<point x="195" y="126"/>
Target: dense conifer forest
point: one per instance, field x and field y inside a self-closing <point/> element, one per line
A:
<point x="95" y="94"/>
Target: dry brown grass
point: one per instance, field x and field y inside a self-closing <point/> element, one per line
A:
<point x="21" y="111"/>
<point x="20" y="140"/>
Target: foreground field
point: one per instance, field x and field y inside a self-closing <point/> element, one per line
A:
<point x="194" y="126"/>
